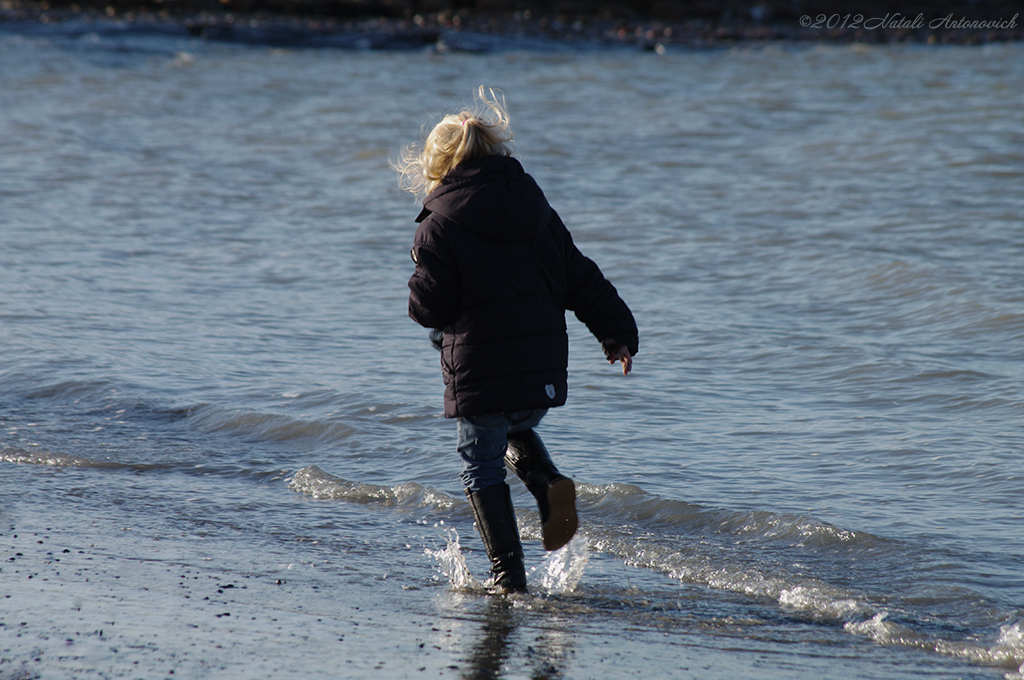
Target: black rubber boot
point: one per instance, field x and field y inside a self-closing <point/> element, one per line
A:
<point x="496" y="522"/>
<point x="555" y="493"/>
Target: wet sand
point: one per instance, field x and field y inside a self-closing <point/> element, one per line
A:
<point x="82" y="600"/>
<point x="99" y="597"/>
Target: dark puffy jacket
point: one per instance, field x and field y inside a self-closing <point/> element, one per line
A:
<point x="495" y="270"/>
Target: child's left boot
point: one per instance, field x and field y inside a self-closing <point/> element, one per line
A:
<point x="555" y="493"/>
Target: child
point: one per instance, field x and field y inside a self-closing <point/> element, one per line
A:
<point x="495" y="271"/>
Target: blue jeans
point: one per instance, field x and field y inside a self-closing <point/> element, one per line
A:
<point x="482" y="443"/>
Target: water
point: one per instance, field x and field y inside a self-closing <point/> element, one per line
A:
<point x="221" y="437"/>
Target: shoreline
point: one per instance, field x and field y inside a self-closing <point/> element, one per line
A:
<point x="492" y="30"/>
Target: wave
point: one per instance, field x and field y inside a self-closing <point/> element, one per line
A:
<point x="267" y="426"/>
<point x="69" y="389"/>
<point x="626" y="502"/>
<point x="312" y="481"/>
<point x="1007" y="651"/>
<point x="89" y="396"/>
<point x="704" y="564"/>
<point x="337" y="416"/>
<point x="48" y="458"/>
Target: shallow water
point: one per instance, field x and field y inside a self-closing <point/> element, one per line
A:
<point x="221" y="436"/>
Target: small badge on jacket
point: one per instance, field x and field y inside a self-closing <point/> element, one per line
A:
<point x="550" y="391"/>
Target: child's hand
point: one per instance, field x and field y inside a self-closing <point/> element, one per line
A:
<point x="622" y="354"/>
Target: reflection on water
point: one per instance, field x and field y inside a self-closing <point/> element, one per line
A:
<point x="538" y="638"/>
<point x="491" y="644"/>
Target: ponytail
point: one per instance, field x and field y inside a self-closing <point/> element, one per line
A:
<point x="484" y="130"/>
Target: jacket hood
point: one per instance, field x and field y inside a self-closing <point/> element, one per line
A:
<point x="493" y="197"/>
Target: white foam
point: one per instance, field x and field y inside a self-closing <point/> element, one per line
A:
<point x="1008" y="651"/>
<point x="1012" y="636"/>
<point x="314" y="482"/>
<point x="43" y="457"/>
<point x="820" y="600"/>
<point x="876" y="628"/>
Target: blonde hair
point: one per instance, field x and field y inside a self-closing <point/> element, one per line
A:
<point x="483" y="130"/>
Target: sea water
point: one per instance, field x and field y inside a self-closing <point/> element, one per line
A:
<point x="221" y="440"/>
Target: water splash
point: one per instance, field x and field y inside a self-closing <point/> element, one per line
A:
<point x="559" y="574"/>
<point x="562" y="570"/>
<point x="452" y="563"/>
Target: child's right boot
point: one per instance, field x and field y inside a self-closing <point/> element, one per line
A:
<point x="496" y="522"/>
<point x="555" y="493"/>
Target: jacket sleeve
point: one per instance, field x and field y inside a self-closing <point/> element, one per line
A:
<point x="434" y="284"/>
<point x="595" y="301"/>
